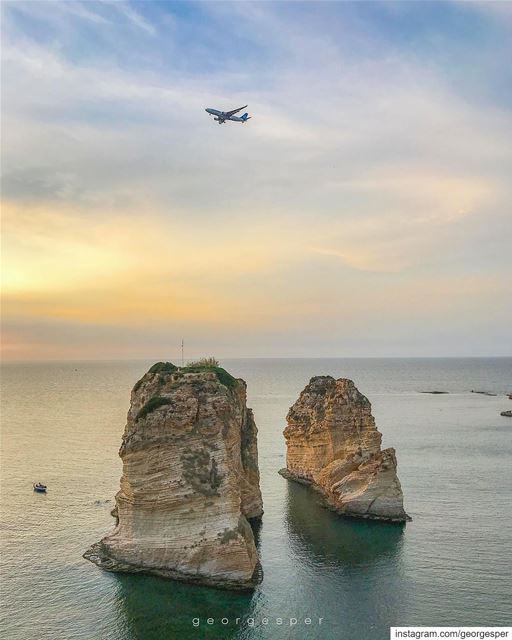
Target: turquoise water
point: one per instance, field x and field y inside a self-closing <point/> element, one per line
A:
<point x="62" y="425"/>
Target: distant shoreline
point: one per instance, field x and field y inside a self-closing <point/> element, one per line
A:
<point x="261" y="358"/>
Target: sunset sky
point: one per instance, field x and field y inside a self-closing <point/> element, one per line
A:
<point x="364" y="210"/>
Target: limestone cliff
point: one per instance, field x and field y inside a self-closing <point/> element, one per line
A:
<point x="333" y="443"/>
<point x="190" y="481"/>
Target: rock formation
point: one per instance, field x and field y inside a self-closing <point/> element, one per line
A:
<point x="190" y="481"/>
<point x="333" y="444"/>
<point x="435" y="393"/>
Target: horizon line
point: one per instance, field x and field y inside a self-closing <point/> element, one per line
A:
<point x="144" y="359"/>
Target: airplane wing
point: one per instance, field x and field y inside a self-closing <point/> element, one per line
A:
<point x="232" y="113"/>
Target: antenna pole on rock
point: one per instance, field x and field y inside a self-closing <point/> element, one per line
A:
<point x="182" y="356"/>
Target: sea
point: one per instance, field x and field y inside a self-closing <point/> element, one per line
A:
<point x="325" y="577"/>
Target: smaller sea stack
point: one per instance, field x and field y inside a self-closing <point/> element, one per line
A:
<point x="333" y="444"/>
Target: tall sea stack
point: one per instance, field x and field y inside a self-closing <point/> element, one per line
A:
<point x="190" y="481"/>
<point x="333" y="443"/>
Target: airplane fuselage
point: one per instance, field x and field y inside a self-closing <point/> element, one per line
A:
<point x="222" y="116"/>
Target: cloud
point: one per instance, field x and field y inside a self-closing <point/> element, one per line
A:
<point x="362" y="167"/>
<point x="132" y="16"/>
<point x="141" y="269"/>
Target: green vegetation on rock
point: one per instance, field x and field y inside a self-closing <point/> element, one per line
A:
<point x="163" y="367"/>
<point x="201" y="472"/>
<point x="204" y="362"/>
<point x="227" y="535"/>
<point x="211" y="365"/>
<point x="248" y="461"/>
<point x="158" y="367"/>
<point x="208" y="365"/>
<point x="243" y="529"/>
<point x="138" y="384"/>
<point x="151" y="405"/>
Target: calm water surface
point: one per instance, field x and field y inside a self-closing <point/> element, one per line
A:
<point x="62" y="424"/>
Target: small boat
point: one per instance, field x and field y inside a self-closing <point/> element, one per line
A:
<point x="39" y="487"/>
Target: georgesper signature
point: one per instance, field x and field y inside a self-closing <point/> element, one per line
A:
<point x="253" y="622"/>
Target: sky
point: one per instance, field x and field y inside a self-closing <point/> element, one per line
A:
<point x="363" y="211"/>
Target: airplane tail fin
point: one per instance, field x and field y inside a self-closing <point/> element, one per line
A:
<point x="246" y="117"/>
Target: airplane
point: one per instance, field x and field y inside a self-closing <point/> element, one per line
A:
<point x="222" y="116"/>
